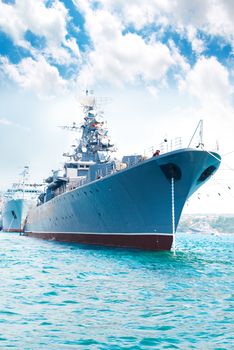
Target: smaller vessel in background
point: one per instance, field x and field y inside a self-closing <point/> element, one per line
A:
<point x="17" y="201"/>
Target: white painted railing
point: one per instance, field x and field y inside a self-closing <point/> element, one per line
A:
<point x="163" y="147"/>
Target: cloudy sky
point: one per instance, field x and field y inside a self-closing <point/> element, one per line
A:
<point x="163" y="64"/>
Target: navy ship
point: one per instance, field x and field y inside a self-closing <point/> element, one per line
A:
<point x="135" y="203"/>
<point x="17" y="201"/>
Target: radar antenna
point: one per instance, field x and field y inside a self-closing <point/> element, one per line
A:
<point x="94" y="143"/>
<point x="73" y="127"/>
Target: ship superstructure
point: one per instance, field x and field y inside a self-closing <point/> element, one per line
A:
<point x="133" y="203"/>
<point x="90" y="158"/>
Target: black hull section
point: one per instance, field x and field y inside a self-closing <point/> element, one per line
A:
<point x="145" y="242"/>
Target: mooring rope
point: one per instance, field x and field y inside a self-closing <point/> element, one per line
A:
<point x="230" y="168"/>
<point x="173" y="213"/>
<point x="8" y="230"/>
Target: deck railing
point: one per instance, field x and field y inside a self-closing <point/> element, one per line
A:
<point x="164" y="147"/>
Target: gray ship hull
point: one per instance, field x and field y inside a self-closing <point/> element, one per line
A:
<point x="14" y="215"/>
<point x="132" y="208"/>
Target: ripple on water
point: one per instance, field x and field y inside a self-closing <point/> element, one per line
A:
<point x="64" y="296"/>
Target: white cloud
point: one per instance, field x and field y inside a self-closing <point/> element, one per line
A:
<point x="116" y="55"/>
<point x="220" y="20"/>
<point x="36" y="75"/>
<point x="197" y="44"/>
<point x="137" y="12"/>
<point x="180" y="61"/>
<point x="72" y="44"/>
<point x="47" y="22"/>
<point x="119" y="58"/>
<point x="208" y="80"/>
<point x="11" y="23"/>
<point x="213" y="17"/>
<point x="37" y="72"/>
<point x="5" y="121"/>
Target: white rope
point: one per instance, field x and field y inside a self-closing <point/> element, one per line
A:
<point x="219" y="160"/>
<point x="227" y="154"/>
<point x="173" y="214"/>
<point x="10" y="224"/>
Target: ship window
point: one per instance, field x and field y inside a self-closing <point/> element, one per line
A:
<point x="82" y="172"/>
<point x="71" y="165"/>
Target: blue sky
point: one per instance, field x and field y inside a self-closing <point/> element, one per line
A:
<point x="165" y="64"/>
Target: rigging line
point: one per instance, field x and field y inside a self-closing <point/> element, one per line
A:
<point x="230" y="168"/>
<point x="225" y="169"/>
<point x="226" y="154"/>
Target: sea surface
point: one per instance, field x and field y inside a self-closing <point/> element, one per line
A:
<point x="66" y="296"/>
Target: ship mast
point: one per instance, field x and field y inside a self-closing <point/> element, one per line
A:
<point x="94" y="144"/>
<point x="199" y="129"/>
<point x="24" y="175"/>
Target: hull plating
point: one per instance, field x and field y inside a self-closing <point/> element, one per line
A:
<point x="14" y="215"/>
<point x="147" y="242"/>
<point x="133" y="205"/>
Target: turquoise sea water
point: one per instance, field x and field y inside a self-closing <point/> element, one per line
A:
<point x="65" y="296"/>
